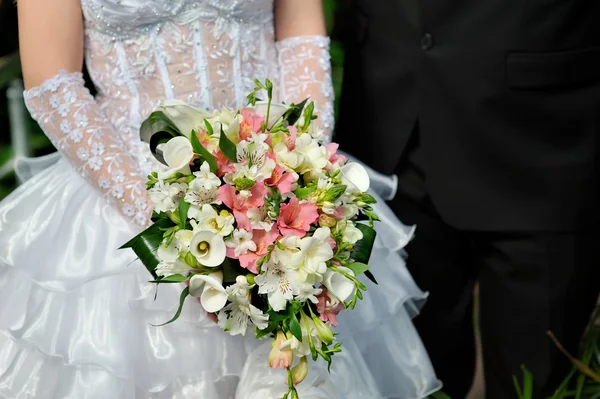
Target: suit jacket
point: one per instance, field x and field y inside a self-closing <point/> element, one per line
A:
<point x="507" y="98"/>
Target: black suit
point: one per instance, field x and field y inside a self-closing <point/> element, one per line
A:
<point x="489" y="113"/>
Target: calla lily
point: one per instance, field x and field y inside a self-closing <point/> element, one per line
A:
<point x="355" y="175"/>
<point x="277" y="111"/>
<point x="337" y="284"/>
<point x="178" y="153"/>
<point x="184" y="116"/>
<point x="209" y="289"/>
<point x="208" y="248"/>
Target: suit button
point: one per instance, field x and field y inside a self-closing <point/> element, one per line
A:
<point x="427" y="41"/>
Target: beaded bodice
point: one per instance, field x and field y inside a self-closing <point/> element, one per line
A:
<point x="204" y="52"/>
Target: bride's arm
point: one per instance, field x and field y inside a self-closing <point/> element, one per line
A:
<point x="51" y="46"/>
<point x="304" y="60"/>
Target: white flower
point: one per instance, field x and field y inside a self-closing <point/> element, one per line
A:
<point x="279" y="283"/>
<point x="184" y="116"/>
<point x="227" y="120"/>
<point x="275" y="113"/>
<point x="209" y="220"/>
<point x="182" y="240"/>
<point x="349" y="211"/>
<point x="287" y="251"/>
<point x="314" y="156"/>
<point x="355" y="177"/>
<point x="259" y="219"/>
<point x="241" y="242"/>
<point x="337" y="284"/>
<point x="350" y="233"/>
<point x="307" y="292"/>
<point x="178" y="153"/>
<point x="208" y="248"/>
<point x="169" y="261"/>
<point x="253" y="155"/>
<point x="200" y="197"/>
<point x="234" y="317"/>
<point x="205" y="179"/>
<point x="209" y="289"/>
<point x="166" y="196"/>
<point x="316" y="251"/>
<point x="290" y="159"/>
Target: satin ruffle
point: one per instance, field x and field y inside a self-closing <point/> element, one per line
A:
<point x="76" y="315"/>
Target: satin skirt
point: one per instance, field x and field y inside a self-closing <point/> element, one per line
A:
<point x="77" y="314"/>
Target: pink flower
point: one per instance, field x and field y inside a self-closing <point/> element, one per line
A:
<point x="331" y="149"/>
<point x="295" y="218"/>
<point x="290" y="141"/>
<point x="224" y="165"/>
<point x="281" y="179"/>
<point x="240" y="205"/>
<point x="328" y="307"/>
<point x="251" y="123"/>
<point x="280" y="358"/>
<point x="262" y="239"/>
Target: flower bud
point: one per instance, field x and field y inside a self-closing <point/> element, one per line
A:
<point x="300" y="371"/>
<point x="323" y="330"/>
<point x="326" y="221"/>
<point x="280" y="358"/>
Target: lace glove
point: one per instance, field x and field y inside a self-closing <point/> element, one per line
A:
<point x="305" y="68"/>
<point x="70" y="117"/>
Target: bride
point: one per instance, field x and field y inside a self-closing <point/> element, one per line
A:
<point x="76" y="313"/>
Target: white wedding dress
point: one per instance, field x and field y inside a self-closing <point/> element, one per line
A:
<point x="76" y="312"/>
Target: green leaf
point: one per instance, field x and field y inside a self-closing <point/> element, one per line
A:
<point x="371" y="277"/>
<point x="294" y="112"/>
<point x="183" y="211"/>
<point x="358" y="268"/>
<point x="270" y="328"/>
<point x="440" y="395"/>
<point x="204" y="154"/>
<point x="158" y="129"/>
<point x="147" y="242"/>
<point x="304" y="192"/>
<point x="295" y="327"/>
<point x="362" y="249"/>
<point x="232" y="269"/>
<point x="175" y="278"/>
<point x="184" y="294"/>
<point x="227" y="147"/>
<point x="209" y="127"/>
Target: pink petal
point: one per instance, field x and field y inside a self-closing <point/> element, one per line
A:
<point x="242" y="220"/>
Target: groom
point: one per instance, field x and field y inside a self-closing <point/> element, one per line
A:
<point x="489" y="113"/>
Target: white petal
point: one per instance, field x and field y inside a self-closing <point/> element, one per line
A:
<point x="178" y="153"/>
<point x="167" y="254"/>
<point x="339" y="285"/>
<point x="277" y="300"/>
<point x="277" y="111"/>
<point x="354" y="174"/>
<point x="196" y="285"/>
<point x="184" y="116"/>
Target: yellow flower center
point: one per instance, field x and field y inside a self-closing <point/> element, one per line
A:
<point x="203" y="247"/>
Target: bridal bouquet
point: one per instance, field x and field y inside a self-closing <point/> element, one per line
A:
<point x="267" y="226"/>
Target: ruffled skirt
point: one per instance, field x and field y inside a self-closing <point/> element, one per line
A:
<point x="76" y="315"/>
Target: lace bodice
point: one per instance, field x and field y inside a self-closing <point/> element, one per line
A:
<point x="207" y="52"/>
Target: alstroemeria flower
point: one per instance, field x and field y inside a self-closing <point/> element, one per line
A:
<point x="209" y="289"/>
<point x="178" y="153"/>
<point x="300" y="371"/>
<point x="263" y="239"/>
<point x="209" y="220"/>
<point x="234" y="318"/>
<point x="280" y="283"/>
<point x="240" y="204"/>
<point x="329" y="307"/>
<point x="205" y="178"/>
<point x="337" y="284"/>
<point x="281" y="179"/>
<point x="316" y="251"/>
<point x="240" y="243"/>
<point x="295" y="218"/>
<point x="208" y="248"/>
<point x="259" y="218"/>
<point x="251" y="124"/>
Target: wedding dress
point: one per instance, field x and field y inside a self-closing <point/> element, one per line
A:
<point x="76" y="313"/>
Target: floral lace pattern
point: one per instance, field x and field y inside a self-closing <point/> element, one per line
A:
<point x="140" y="52"/>
<point x="305" y="67"/>
<point x="66" y="111"/>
